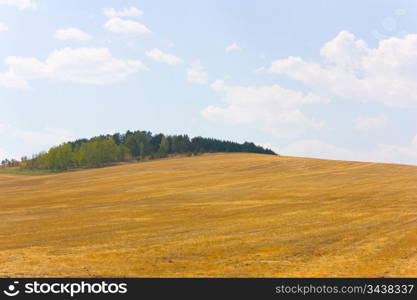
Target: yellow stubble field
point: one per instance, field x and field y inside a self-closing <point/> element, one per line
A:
<point x="214" y="215"/>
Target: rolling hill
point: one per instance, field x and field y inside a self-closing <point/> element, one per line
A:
<point x="214" y="215"/>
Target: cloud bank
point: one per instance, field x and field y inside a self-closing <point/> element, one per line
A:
<point x="125" y="12"/>
<point x="352" y="70"/>
<point x="159" y="56"/>
<point x="72" y="34"/>
<point x="20" y="4"/>
<point x="269" y="108"/>
<point x="196" y="74"/>
<point x="81" y="65"/>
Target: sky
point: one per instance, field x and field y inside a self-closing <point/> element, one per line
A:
<point x="326" y="79"/>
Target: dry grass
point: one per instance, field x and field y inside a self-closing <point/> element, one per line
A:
<point x="220" y="215"/>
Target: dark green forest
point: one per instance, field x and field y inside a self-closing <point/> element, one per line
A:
<point x="131" y="146"/>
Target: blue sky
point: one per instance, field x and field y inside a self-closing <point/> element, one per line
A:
<point x="306" y="78"/>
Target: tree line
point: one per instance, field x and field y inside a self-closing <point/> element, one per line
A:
<point x="138" y="145"/>
<point x="5" y="163"/>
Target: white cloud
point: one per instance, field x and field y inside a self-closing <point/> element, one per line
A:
<point x="345" y="51"/>
<point x="10" y="80"/>
<point x="269" y="108"/>
<point x="81" y="65"/>
<point x="4" y="128"/>
<point x="49" y="137"/>
<point x="3" y="27"/>
<point x="159" y="56"/>
<point x="119" y="25"/>
<point x="353" y="70"/>
<point x="395" y="153"/>
<point x="125" y="12"/>
<point x="232" y="47"/>
<point x="5" y="154"/>
<point x="405" y="154"/>
<point x="20" y="4"/>
<point x="414" y="142"/>
<point x="74" y="34"/>
<point x="318" y="149"/>
<point x="369" y="123"/>
<point x="37" y="140"/>
<point x="195" y="73"/>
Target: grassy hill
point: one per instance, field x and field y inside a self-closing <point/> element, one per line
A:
<point x="216" y="215"/>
